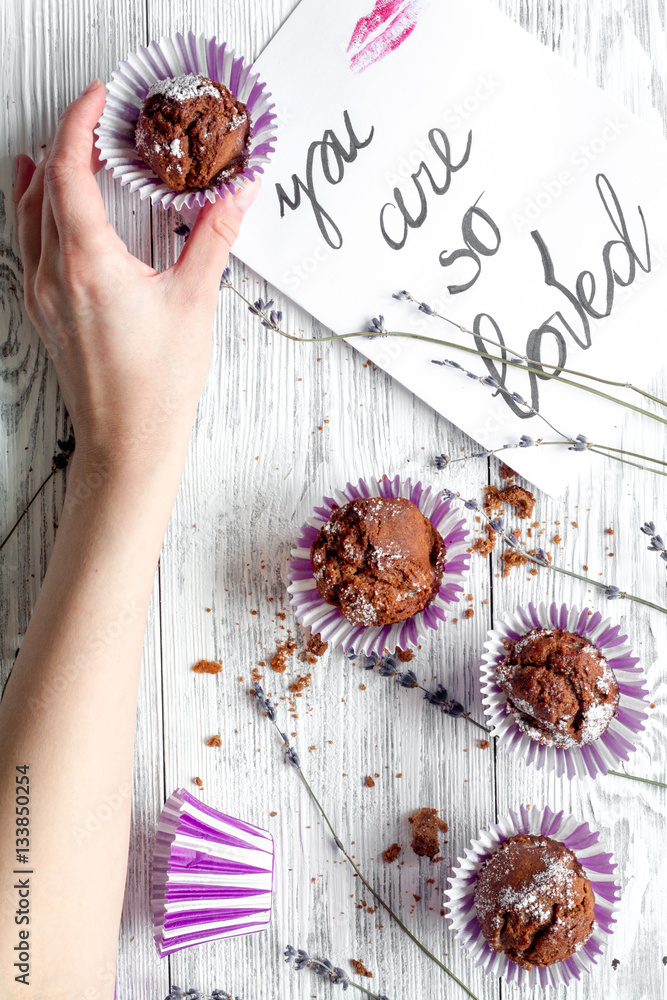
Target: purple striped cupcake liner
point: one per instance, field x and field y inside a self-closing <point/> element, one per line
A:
<point x="314" y="613"/>
<point x="613" y="746"/>
<point x="212" y="875"/>
<point x="599" y="867"/>
<point x="171" y="57"/>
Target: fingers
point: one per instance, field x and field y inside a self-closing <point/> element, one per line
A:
<point x="29" y="216"/>
<point x="204" y="256"/>
<point x="24" y="168"/>
<point x="75" y="197"/>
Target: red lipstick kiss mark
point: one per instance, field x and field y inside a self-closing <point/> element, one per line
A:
<point x="371" y="43"/>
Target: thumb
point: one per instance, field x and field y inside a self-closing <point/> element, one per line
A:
<point x="205" y="254"/>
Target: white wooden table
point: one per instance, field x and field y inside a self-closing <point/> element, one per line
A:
<point x="261" y="454"/>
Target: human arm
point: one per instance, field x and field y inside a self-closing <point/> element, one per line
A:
<point x="132" y="351"/>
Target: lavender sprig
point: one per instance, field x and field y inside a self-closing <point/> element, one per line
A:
<point x="59" y="462"/>
<point x="326" y="970"/>
<point x="491" y="383"/>
<point x="515" y="363"/>
<point x="302" y="956"/>
<point x="521" y="360"/>
<point x="576" y="444"/>
<point x="656" y="544"/>
<point x="579" y="443"/>
<point x="387" y="666"/>
<point x="176" y="993"/>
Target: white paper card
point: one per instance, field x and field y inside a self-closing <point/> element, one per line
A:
<point x="446" y="152"/>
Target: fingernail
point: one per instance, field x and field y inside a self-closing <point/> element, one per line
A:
<point x="93" y="85"/>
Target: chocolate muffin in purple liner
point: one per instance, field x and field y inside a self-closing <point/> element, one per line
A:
<point x="559" y="687"/>
<point x="193" y="132"/>
<point x="534" y="901"/>
<point x="378" y="560"/>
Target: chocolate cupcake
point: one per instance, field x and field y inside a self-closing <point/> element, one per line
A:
<point x="534" y="901"/>
<point x="559" y="687"/>
<point x="378" y="560"/>
<point x="204" y="150"/>
<point x="193" y="132"/>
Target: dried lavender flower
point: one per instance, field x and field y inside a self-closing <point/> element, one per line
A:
<point x="656" y="544"/>
<point x="525" y="441"/>
<point x="289" y="953"/>
<point x="407" y="680"/>
<point x="580" y="443"/>
<point x="322" y="968"/>
<point x="377" y="328"/>
<point x="612" y="593"/>
<point x="263" y="700"/>
<point x="182" y="229"/>
<point x="402" y="296"/>
<point x="388" y="666"/>
<point x="63" y="453"/>
<point x="441" y="461"/>
<point x="226" y="278"/>
<point x="425" y="308"/>
<point x="302" y="960"/>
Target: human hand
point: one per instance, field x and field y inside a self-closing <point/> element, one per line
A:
<point x="131" y="347"/>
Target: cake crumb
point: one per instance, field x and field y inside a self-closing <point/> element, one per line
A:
<point x="506" y="473"/>
<point x="369" y="783"/>
<point x="427" y="826"/>
<point x="300" y="684"/>
<point x="214" y="741"/>
<point x="198" y="782"/>
<point x="404" y="655"/>
<point x="207" y="667"/>
<point x="485" y="546"/>
<point x="274" y="813"/>
<point x="278" y="661"/>
<point x="510" y="559"/>
<point x="521" y="500"/>
<point x="610" y="531"/>
<point x="391" y="853"/>
<point x="314" y="649"/>
<point x="360" y="968"/>
<point x="484" y="744"/>
<point x="468" y="613"/>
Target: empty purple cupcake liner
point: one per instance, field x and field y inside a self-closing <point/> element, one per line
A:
<point x="589" y="760"/>
<point x="212" y="875"/>
<point x="599" y="867"/>
<point x="314" y="613"/>
<point x="171" y="57"/>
